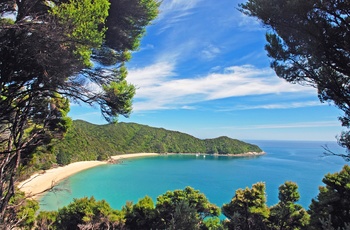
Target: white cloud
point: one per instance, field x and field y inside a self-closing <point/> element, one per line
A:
<point x="146" y="47"/>
<point x="151" y="76"/>
<point x="169" y="6"/>
<point x="210" y="52"/>
<point x="174" y="11"/>
<point x="160" y="88"/>
<point x="289" y="105"/>
<point x="247" y="23"/>
<point x="188" y="107"/>
<point x="176" y="51"/>
<point x="298" y="125"/>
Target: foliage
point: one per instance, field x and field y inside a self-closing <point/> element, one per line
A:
<point x="87" y="18"/>
<point x="140" y="215"/>
<point x="46" y="220"/>
<point x="225" y="145"/>
<point x="88" y="213"/>
<point x="184" y="209"/>
<point x="179" y="209"/>
<point x="183" y="217"/>
<point x="212" y="223"/>
<point x="21" y="135"/>
<point x="332" y="204"/>
<point x="308" y="43"/>
<point x="129" y="13"/>
<point x="85" y="141"/>
<point x="21" y="213"/>
<point x="45" y="53"/>
<point x="286" y="214"/>
<point x="247" y="209"/>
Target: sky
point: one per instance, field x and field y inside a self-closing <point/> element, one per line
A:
<point x="202" y="69"/>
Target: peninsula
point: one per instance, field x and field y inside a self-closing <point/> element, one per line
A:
<point x="86" y="141"/>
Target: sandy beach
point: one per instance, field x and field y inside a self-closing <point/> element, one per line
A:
<point x="41" y="182"/>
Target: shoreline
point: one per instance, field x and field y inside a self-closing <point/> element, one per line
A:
<point x="39" y="183"/>
<point x="247" y="154"/>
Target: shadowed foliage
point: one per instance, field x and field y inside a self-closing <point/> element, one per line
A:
<point x="46" y="48"/>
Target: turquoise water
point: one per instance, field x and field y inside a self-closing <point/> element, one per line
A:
<point x="217" y="177"/>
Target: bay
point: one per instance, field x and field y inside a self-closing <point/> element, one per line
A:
<point x="218" y="177"/>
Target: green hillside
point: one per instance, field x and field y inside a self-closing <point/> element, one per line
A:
<point x="85" y="141"/>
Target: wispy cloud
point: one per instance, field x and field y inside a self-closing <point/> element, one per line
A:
<point x="298" y="125"/>
<point x="158" y="88"/>
<point x="289" y="105"/>
<point x="151" y="76"/>
<point x="210" y="52"/>
<point x="170" y="6"/>
<point x="146" y="47"/>
<point x="186" y="107"/>
<point x="174" y="11"/>
<point x="176" y="51"/>
<point x="248" y="23"/>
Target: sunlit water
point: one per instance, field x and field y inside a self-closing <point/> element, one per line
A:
<point x="216" y="176"/>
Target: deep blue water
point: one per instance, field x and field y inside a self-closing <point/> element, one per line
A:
<point x="217" y="177"/>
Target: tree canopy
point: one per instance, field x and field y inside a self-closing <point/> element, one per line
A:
<point x="287" y="214"/>
<point x="308" y="43"/>
<point x="54" y="50"/>
<point x="331" y="208"/>
<point x="247" y="209"/>
<point x="87" y="213"/>
<point x="179" y="209"/>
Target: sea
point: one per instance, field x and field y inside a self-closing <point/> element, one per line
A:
<point x="218" y="177"/>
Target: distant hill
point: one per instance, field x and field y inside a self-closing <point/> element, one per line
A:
<point x="85" y="141"/>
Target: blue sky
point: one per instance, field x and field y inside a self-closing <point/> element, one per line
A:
<point x="202" y="69"/>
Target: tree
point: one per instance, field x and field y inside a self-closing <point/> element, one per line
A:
<point x="179" y="209"/>
<point x="212" y="223"/>
<point x="46" y="220"/>
<point x="247" y="209"/>
<point x="331" y="208"/>
<point x="140" y="215"/>
<point x="20" y="213"/>
<point x="183" y="217"/>
<point x="183" y="209"/>
<point x="46" y="48"/>
<point x="286" y="215"/>
<point x="308" y="43"/>
<point x="87" y="213"/>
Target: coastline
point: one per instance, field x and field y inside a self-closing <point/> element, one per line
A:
<point x="39" y="183"/>
<point x="248" y="154"/>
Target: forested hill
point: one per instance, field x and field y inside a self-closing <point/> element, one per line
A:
<point x="85" y="141"/>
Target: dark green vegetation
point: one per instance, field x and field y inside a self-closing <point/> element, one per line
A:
<point x="188" y="209"/>
<point x="85" y="141"/>
<point x="47" y="51"/>
<point x="308" y="43"/>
